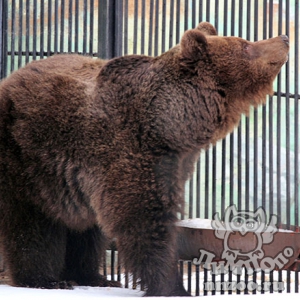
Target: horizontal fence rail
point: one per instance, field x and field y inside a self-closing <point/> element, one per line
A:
<point x="257" y="165"/>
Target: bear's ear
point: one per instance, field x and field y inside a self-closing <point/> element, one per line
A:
<point x="193" y="44"/>
<point x="207" y="28"/>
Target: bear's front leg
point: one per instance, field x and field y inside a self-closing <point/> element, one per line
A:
<point x="151" y="257"/>
<point x="139" y="207"/>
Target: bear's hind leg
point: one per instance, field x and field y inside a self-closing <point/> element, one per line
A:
<point x="34" y="248"/>
<point x="84" y="252"/>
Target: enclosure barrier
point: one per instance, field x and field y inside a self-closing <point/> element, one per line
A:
<point x="257" y="165"/>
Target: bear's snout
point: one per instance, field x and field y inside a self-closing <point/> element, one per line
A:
<point x="285" y="39"/>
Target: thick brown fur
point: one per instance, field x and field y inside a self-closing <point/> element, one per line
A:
<point x="92" y="149"/>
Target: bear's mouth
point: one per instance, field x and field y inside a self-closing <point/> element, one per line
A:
<point x="279" y="62"/>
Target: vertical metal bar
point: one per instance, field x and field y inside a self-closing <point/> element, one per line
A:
<point x="143" y="27"/>
<point x="271" y="128"/>
<point x="42" y="21"/>
<point x="163" y="29"/>
<point x="194" y="13"/>
<point x="186" y="14"/>
<point x="178" y="21"/>
<point x="224" y="146"/>
<point x="278" y="145"/>
<point x="27" y="31"/>
<point x="77" y="22"/>
<point x="222" y="280"/>
<point x="214" y="182"/>
<point x="34" y="38"/>
<point x="271" y="279"/>
<point x="118" y="34"/>
<point x="156" y="31"/>
<point x="91" y="27"/>
<point x="189" y="277"/>
<point x="106" y="29"/>
<point x="232" y="17"/>
<point x="262" y="281"/>
<point x="287" y="118"/>
<point x="223" y="180"/>
<point x="288" y="281"/>
<point x="296" y="120"/>
<point x="247" y="137"/>
<point x="208" y="10"/>
<point x="20" y="33"/>
<point x="206" y="209"/>
<point x="231" y="168"/>
<point x="84" y="44"/>
<point x="225" y="17"/>
<point x="213" y="279"/>
<point x="126" y="27"/>
<point x="112" y="266"/>
<point x="151" y="9"/>
<point x="13" y="34"/>
<point x="246" y="290"/>
<point x="2" y="13"/>
<point x="205" y="280"/>
<point x="119" y="271"/>
<point x="255" y="129"/>
<point x="171" y="26"/>
<point x="70" y="25"/>
<point x="191" y="197"/>
<point x="239" y="131"/>
<point x="104" y="265"/>
<point x="247" y="146"/>
<point x="62" y="26"/>
<point x="264" y="134"/>
<point x="198" y="188"/>
<point x="200" y="10"/>
<point x="49" y="28"/>
<point x="254" y="277"/>
<point x="197" y="289"/>
<point x="181" y="270"/>
<point x="135" y="26"/>
<point x="264" y="120"/>
<point x="56" y="35"/>
<point x="217" y="15"/>
<point x="230" y="280"/>
<point x="150" y="43"/>
<point x="3" y="38"/>
<point x="238" y="280"/>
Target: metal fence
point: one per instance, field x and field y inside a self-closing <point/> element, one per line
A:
<point x="258" y="164"/>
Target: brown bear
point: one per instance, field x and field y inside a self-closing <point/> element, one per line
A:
<point x="91" y="149"/>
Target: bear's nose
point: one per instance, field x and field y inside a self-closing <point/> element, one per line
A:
<point x="285" y="39"/>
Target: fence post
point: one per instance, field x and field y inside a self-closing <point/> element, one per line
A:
<point x="106" y="28"/>
<point x="110" y="33"/>
<point x="3" y="38"/>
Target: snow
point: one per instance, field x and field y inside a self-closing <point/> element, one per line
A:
<point x="8" y="292"/>
<point x="205" y="224"/>
<point x="195" y="223"/>
<point x="86" y="293"/>
<point x="106" y="293"/>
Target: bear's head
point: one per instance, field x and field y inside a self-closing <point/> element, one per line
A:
<point x="240" y="71"/>
<point x="240" y="68"/>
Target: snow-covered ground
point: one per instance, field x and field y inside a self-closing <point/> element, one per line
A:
<point x="86" y="293"/>
<point x="10" y="293"/>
